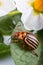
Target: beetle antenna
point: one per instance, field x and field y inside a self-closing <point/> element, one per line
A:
<point x="35" y="53"/>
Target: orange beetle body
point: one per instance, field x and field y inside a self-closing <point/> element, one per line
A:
<point x="20" y="35"/>
<point x="28" y="39"/>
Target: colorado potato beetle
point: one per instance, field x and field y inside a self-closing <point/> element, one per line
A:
<point x="29" y="40"/>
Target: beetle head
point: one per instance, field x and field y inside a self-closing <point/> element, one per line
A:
<point x="15" y="37"/>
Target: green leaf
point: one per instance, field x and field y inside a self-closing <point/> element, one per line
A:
<point x="24" y="56"/>
<point x="6" y="28"/>
<point x="1" y="38"/>
<point x="40" y="35"/>
<point x="6" y="25"/>
<point x="15" y="16"/>
<point x="7" y="22"/>
<point x="12" y="13"/>
<point x="4" y="50"/>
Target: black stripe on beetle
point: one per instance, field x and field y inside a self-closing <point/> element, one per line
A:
<point x="31" y="42"/>
<point x="32" y="36"/>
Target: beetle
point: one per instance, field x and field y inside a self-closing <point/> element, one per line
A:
<point x="29" y="40"/>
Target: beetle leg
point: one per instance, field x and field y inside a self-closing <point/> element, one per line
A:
<point x="23" y="45"/>
<point x="35" y="53"/>
<point x="15" y="41"/>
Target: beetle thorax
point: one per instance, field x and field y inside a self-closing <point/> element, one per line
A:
<point x="22" y="35"/>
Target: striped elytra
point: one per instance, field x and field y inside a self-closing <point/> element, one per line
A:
<point x="31" y="41"/>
